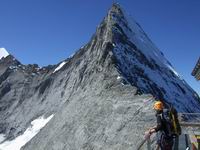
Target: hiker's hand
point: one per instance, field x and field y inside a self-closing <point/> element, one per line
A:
<point x="151" y="131"/>
<point x="147" y="134"/>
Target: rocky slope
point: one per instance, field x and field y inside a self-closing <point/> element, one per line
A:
<point x="101" y="97"/>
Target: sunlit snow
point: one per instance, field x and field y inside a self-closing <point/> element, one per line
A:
<point x="72" y="54"/>
<point x="60" y="66"/>
<point x="3" y="53"/>
<point x="118" y="78"/>
<point x="172" y="69"/>
<point x="30" y="132"/>
<point x="2" y="138"/>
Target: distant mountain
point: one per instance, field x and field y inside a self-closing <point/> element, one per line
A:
<point x="100" y="98"/>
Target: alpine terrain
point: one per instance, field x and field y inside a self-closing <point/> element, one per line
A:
<point x="98" y="99"/>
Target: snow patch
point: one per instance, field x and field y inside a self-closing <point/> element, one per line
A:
<point x="13" y="67"/>
<point x="118" y="77"/>
<point x="141" y="39"/>
<point x="173" y="70"/>
<point x="30" y="132"/>
<point x="2" y="138"/>
<point x="3" y="53"/>
<point x="60" y="66"/>
<point x="72" y="54"/>
<point x="170" y="85"/>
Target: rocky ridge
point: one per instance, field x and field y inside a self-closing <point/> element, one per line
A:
<point x="101" y="97"/>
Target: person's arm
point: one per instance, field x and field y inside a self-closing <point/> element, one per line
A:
<point x="158" y="126"/>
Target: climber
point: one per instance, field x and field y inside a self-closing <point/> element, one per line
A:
<point x="165" y="138"/>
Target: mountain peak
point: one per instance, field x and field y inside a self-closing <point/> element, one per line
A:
<point x="116" y="8"/>
<point x="116" y="13"/>
<point x="142" y="64"/>
<point x="3" y="53"/>
<point x="99" y="93"/>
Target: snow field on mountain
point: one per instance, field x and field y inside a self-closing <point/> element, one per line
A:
<point x="145" y="66"/>
<point x="173" y="70"/>
<point x="17" y="143"/>
<point x="59" y="67"/>
<point x="3" y="53"/>
<point x="162" y="80"/>
<point x="142" y="41"/>
<point x="2" y="138"/>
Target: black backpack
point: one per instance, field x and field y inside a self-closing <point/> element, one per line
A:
<point x="170" y="119"/>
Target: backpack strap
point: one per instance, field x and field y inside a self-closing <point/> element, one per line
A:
<point x="174" y="123"/>
<point x="160" y="115"/>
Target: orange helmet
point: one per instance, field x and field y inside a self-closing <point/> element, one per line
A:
<point x="158" y="105"/>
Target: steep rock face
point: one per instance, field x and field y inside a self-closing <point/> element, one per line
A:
<point x="104" y="78"/>
<point x="18" y="86"/>
<point x="7" y="62"/>
<point x="100" y="111"/>
<point x="96" y="95"/>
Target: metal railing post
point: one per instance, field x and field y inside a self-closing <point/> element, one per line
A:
<point x="149" y="144"/>
<point x="176" y="143"/>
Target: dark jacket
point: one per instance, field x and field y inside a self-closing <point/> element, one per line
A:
<point x="163" y="140"/>
<point x="161" y="125"/>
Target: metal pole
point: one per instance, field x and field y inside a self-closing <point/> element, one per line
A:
<point x="176" y="143"/>
<point x="143" y="142"/>
<point x="186" y="141"/>
<point x="149" y="144"/>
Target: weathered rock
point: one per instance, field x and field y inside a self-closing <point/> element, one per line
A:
<point x="101" y="96"/>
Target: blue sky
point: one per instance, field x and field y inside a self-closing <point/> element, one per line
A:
<point x="48" y="31"/>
